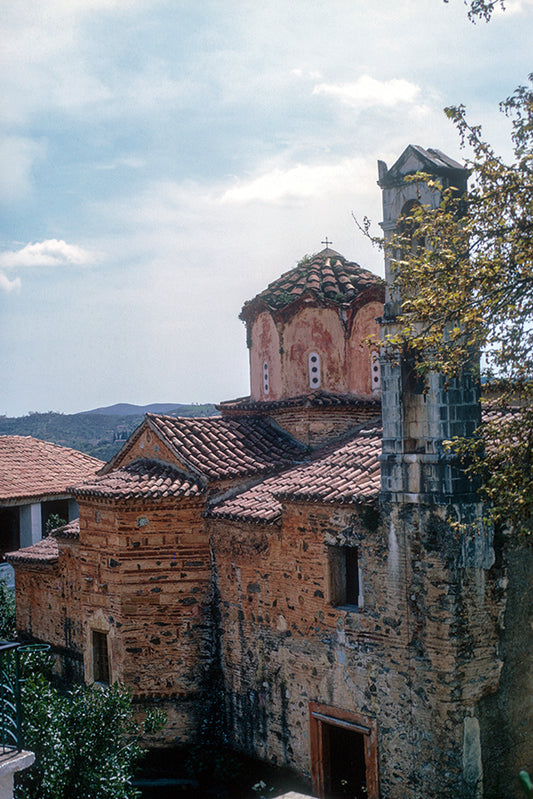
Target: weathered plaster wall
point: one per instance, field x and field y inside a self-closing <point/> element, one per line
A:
<point x="317" y="330"/>
<point x="358" y="354"/>
<point x="332" y="333"/>
<point x="265" y="348"/>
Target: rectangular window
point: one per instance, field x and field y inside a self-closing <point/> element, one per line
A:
<point x="344" y="577"/>
<point x="100" y="658"/>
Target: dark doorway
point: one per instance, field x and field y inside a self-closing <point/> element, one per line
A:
<point x="347" y="770"/>
<point x="344" y="753"/>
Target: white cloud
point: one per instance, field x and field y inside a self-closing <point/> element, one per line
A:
<point x="18" y="156"/>
<point x="9" y="285"/>
<point x="300" y="181"/>
<point x="367" y="91"/>
<point x="513" y="7"/>
<point x="52" y="252"/>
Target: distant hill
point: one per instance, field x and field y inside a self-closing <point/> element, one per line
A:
<point x="126" y="409"/>
<point x="100" y="432"/>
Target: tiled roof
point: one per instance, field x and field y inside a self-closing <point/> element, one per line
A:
<point x="141" y="478"/>
<point x="218" y="448"/>
<point x="314" y="399"/>
<point x="45" y="551"/>
<point x="257" y="504"/>
<point x="326" y="276"/>
<point x="70" y="530"/>
<point x="348" y="474"/>
<point x="30" y="468"/>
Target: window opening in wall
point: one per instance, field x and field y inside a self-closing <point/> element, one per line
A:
<point x="266" y="382"/>
<point x="100" y="658"/>
<point x="314" y="370"/>
<point x="345" y="579"/>
<point x="376" y="372"/>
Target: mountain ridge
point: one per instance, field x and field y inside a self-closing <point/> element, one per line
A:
<point x="100" y="432"/>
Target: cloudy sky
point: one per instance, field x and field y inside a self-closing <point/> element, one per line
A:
<point x="163" y="160"/>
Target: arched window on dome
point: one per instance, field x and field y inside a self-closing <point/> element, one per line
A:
<point x="266" y="379"/>
<point x="314" y="370"/>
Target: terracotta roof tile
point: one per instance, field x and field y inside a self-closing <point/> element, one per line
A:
<point x="45" y="551"/>
<point x="141" y="478"/>
<point x="314" y="399"/>
<point x="31" y="468"/>
<point x="349" y="474"/>
<point x="257" y="504"/>
<point x="326" y="275"/>
<point x="218" y="448"/>
<point x="70" y="530"/>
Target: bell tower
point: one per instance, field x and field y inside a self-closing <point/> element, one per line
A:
<point x="418" y="418"/>
<point x="439" y="549"/>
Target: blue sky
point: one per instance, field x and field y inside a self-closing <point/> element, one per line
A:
<point x="163" y="160"/>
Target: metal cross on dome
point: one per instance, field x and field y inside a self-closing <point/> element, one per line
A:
<point x="327" y="242"/>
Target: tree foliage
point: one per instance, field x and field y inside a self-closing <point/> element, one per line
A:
<point x="7" y="612"/>
<point x="85" y="740"/>
<point x="481" y="9"/>
<point x="464" y="272"/>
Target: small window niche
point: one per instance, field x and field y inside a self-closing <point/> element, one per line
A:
<point x="266" y="380"/>
<point x="100" y="658"/>
<point x="375" y="370"/>
<point x="314" y="370"/>
<point x="345" y="578"/>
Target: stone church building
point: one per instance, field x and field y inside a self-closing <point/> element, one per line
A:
<point x="288" y="574"/>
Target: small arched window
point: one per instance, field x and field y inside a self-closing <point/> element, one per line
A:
<point x="375" y="371"/>
<point x="266" y="381"/>
<point x="314" y="370"/>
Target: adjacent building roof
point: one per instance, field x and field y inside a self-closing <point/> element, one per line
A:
<point x="45" y="551"/>
<point x="215" y="448"/>
<point x="31" y="469"/>
<point x="141" y="478"/>
<point x="347" y="474"/>
<point x="326" y="276"/>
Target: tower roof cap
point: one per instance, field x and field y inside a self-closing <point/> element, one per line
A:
<point x="418" y="159"/>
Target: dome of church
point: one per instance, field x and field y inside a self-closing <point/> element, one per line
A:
<point x="327" y="276"/>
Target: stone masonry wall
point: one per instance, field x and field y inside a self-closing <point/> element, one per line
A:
<point x="47" y="598"/>
<point x="506" y="717"/>
<point x="415" y="658"/>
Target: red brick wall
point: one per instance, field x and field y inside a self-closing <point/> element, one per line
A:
<point x="317" y="426"/>
<point x="47" y="597"/>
